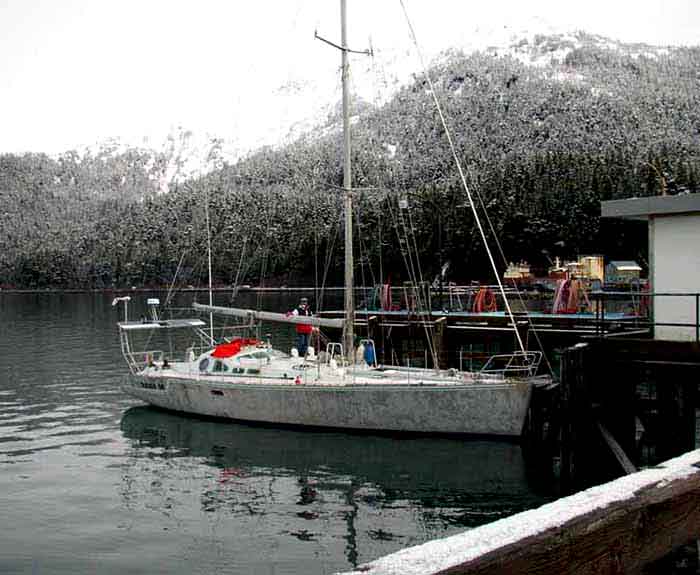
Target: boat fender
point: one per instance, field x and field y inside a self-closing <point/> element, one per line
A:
<point x="369" y="354"/>
<point x="297" y="380"/>
<point x="485" y="301"/>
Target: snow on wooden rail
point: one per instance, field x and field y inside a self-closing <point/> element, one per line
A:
<point x="617" y="527"/>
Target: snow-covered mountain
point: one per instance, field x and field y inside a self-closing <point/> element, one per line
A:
<point x="308" y="104"/>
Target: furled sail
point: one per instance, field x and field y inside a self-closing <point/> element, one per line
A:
<point x="256" y="315"/>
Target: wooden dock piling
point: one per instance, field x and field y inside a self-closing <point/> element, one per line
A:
<point x="576" y="417"/>
<point x="620" y="396"/>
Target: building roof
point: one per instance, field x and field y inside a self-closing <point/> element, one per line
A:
<point x="643" y="208"/>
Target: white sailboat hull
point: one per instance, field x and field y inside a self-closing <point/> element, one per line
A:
<point x="492" y="408"/>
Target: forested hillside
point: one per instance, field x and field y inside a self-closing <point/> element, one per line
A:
<point x="543" y="144"/>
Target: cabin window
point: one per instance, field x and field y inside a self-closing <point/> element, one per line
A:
<point x="253" y="371"/>
<point x="219" y="366"/>
<point x="261" y="355"/>
<point x="237" y="370"/>
<point x="204" y="364"/>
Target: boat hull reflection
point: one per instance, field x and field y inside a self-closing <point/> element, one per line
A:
<point x="490" y="474"/>
<point x="348" y="497"/>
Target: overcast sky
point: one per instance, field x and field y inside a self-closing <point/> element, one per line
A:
<point x="75" y="72"/>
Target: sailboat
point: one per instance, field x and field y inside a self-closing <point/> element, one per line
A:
<point x="248" y="380"/>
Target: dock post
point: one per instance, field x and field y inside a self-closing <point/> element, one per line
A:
<point x="575" y="413"/>
<point x="439" y="341"/>
<point x="522" y="325"/>
<point x="689" y="399"/>
<point x="618" y="396"/>
<point x="676" y="408"/>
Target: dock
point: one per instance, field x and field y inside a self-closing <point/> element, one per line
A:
<point x="457" y="336"/>
<point x="617" y="527"/>
<point x="624" y="403"/>
<point x="618" y="433"/>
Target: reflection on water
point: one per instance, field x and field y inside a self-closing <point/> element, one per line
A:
<point x="369" y="491"/>
<point x="92" y="481"/>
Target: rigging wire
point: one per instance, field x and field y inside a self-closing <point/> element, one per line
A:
<point x="211" y="295"/>
<point x="492" y="229"/>
<point x="329" y="258"/>
<point x="462" y="175"/>
<point x="316" y="288"/>
<point x="405" y="249"/>
<point x="361" y="250"/>
<point x="169" y="295"/>
<point x="234" y="291"/>
<point x="378" y="76"/>
<point x="364" y="254"/>
<point x="264" y="260"/>
<point x="235" y="288"/>
<point x="421" y="301"/>
<point x="320" y="288"/>
<point x="405" y="232"/>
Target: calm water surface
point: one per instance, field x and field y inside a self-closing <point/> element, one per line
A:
<point x="94" y="482"/>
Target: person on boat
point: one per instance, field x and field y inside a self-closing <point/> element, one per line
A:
<point x="303" y="330"/>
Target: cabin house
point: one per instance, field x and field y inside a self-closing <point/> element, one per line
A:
<point x="674" y="259"/>
<point x="622" y="272"/>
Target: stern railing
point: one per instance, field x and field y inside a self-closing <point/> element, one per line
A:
<point x="517" y="364"/>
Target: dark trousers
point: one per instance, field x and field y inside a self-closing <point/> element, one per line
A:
<point x="302" y="343"/>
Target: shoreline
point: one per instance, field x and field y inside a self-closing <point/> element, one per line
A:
<point x="160" y="289"/>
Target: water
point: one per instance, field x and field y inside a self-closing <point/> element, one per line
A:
<point x="94" y="482"/>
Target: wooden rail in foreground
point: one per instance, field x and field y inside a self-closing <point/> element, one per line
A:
<point x="617" y="527"/>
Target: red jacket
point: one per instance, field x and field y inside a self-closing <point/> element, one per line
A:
<point x="301" y="327"/>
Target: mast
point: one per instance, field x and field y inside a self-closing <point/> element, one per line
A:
<point x="348" y="331"/>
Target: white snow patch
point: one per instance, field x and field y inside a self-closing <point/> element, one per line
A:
<point x="568" y="76"/>
<point x="439" y="555"/>
<point x="391" y="150"/>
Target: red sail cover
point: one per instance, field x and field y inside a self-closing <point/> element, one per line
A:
<point x="233" y="347"/>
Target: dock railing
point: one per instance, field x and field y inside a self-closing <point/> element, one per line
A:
<point x="644" y="316"/>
